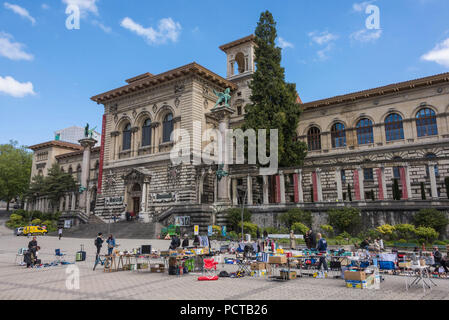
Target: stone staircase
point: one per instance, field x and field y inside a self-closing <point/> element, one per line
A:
<point x="123" y="230"/>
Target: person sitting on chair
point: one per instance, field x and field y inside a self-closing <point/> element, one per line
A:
<point x="439" y="261"/>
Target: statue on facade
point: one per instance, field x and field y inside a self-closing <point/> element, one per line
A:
<point x="223" y="97"/>
<point x="86" y="131"/>
<point x="221" y="173"/>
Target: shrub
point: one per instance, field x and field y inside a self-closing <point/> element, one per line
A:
<point x="300" y="228"/>
<point x="36" y="222"/>
<point x="296" y="215"/>
<point x="15" y="218"/>
<point x="249" y="228"/>
<point x="429" y="235"/>
<point x="327" y="230"/>
<point x="439" y="243"/>
<point x="386" y="231"/>
<point x="404" y="231"/>
<point x="233" y="235"/>
<point x="431" y="218"/>
<point x="234" y="217"/>
<point x="345" y="235"/>
<point x="345" y="219"/>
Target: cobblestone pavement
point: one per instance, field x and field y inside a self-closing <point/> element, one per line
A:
<point x="17" y="282"/>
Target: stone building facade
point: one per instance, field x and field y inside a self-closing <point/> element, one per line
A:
<point x="359" y="145"/>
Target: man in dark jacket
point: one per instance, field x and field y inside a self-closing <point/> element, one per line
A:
<point x="185" y="242"/>
<point x="439" y="261"/>
<point x="322" y="248"/>
<point x="98" y="243"/>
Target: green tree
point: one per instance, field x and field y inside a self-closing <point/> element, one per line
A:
<point x="300" y="228"/>
<point x="274" y="101"/>
<point x="429" y="235"/>
<point x="234" y="217"/>
<point x="404" y="231"/>
<point x="54" y="186"/>
<point x="431" y="218"/>
<point x="345" y="219"/>
<point x="296" y="215"/>
<point x="15" y="171"/>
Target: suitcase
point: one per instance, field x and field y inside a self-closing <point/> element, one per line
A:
<point x="81" y="255"/>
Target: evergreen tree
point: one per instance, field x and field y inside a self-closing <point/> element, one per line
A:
<point x="274" y="102"/>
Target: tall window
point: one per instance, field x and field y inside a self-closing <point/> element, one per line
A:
<point x="396" y="170"/>
<point x="426" y="123"/>
<point x="127" y="137"/>
<point x="314" y="139"/>
<point x="167" y="127"/>
<point x="365" y="132"/>
<point x="394" y="129"/>
<point x="146" y="133"/>
<point x="343" y="177"/>
<point x="338" y="135"/>
<point x="368" y="174"/>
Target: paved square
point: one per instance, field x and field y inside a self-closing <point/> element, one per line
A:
<point x="17" y="282"/>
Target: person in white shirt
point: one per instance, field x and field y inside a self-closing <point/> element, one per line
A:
<point x="60" y="233"/>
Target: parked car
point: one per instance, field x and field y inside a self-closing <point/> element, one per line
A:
<point x="18" y="231"/>
<point x="34" y="231"/>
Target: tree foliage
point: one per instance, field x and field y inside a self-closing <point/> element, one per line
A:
<point x="234" y="217"/>
<point x="345" y="219"/>
<point x="15" y="171"/>
<point x="296" y="215"/>
<point x="431" y="218"/>
<point x="54" y="186"/>
<point x="300" y="228"/>
<point x="273" y="101"/>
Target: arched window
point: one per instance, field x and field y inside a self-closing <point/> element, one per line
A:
<point x="426" y="123"/>
<point x="70" y="171"/>
<point x="127" y="137"/>
<point x="136" y="188"/>
<point x="365" y="132"/>
<point x="338" y="135"/>
<point x="314" y="139"/>
<point x="394" y="129"/>
<point x="167" y="128"/>
<point x="430" y="157"/>
<point x="146" y="133"/>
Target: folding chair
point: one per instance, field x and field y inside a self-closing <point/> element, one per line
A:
<point x="59" y="254"/>
<point x="209" y="270"/>
<point x="20" y="253"/>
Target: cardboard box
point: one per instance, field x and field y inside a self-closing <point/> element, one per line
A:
<point x="355" y="275"/>
<point x="277" y="259"/>
<point x="288" y="275"/>
<point x="404" y="264"/>
<point x="258" y="266"/>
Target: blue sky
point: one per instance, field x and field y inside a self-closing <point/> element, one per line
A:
<point x="48" y="73"/>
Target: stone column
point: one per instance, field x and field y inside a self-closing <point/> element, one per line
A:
<point x="408" y="182"/>
<point x="318" y="185"/>
<point x="282" y="186"/>
<point x="361" y="183"/>
<point x="72" y="207"/>
<point x="250" y="190"/>
<point x="266" y="199"/>
<point x="300" y="188"/>
<point x="87" y="144"/>
<point x="381" y="183"/>
<point x="67" y="202"/>
<point x="234" y="192"/>
<point x="222" y="114"/>
<point x="433" y="180"/>
<point x="61" y="204"/>
<point x="143" y="198"/>
<point x="87" y="202"/>
<point x="339" y="184"/>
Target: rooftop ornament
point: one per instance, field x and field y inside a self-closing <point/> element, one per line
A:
<point x="223" y="97"/>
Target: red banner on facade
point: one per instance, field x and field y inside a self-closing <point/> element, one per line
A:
<point x="380" y="184"/>
<point x="357" y="185"/>
<point x="295" y="181"/>
<point x="315" y="187"/>
<point x="100" y="170"/>
<point x="404" y="183"/>
<point x="278" y="189"/>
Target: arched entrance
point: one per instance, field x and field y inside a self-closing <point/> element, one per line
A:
<point x="134" y="198"/>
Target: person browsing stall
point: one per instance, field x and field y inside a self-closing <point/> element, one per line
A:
<point x="111" y="244"/>
<point x="322" y="248"/>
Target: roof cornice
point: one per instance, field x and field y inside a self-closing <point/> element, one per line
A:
<point x="148" y="82"/>
<point x="237" y="42"/>
<point x="55" y="143"/>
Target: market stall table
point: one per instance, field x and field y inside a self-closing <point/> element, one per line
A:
<point x="417" y="274"/>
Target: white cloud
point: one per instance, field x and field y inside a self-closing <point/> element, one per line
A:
<point x="45" y="6"/>
<point x="12" y="50"/>
<point x="439" y="54"/>
<point x="366" y="35"/>
<point x="102" y="26"/>
<point x="20" y="11"/>
<point x="168" y="30"/>
<point x="85" y="6"/>
<point x="284" y="44"/>
<point x="361" y="6"/>
<point x="323" y="37"/>
<point x="12" y="87"/>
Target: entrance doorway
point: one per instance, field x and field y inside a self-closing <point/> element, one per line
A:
<point x="136" y="205"/>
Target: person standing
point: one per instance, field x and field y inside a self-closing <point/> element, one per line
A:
<point x="257" y="234"/>
<point x="60" y="233"/>
<point x="185" y="242"/>
<point x="32" y="248"/>
<point x="111" y="244"/>
<point x="439" y="261"/>
<point x="292" y="240"/>
<point x="322" y="248"/>
<point x="98" y="244"/>
<point x="265" y="234"/>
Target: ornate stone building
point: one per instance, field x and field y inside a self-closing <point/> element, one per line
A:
<point x="358" y="144"/>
